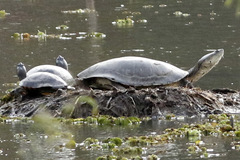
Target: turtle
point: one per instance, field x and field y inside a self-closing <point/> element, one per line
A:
<point x="39" y="83"/>
<point x="61" y="62"/>
<point x="59" y="70"/>
<point x="144" y="72"/>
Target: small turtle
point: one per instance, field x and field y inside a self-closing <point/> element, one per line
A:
<point x="61" y="62"/>
<point x="57" y="70"/>
<point x="144" y="72"/>
<point x="39" y="83"/>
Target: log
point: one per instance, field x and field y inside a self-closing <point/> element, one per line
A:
<point x="152" y="102"/>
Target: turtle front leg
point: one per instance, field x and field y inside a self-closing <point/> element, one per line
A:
<point x="186" y="83"/>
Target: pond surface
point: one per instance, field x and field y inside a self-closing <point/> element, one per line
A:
<point x="21" y="140"/>
<point x="179" y="40"/>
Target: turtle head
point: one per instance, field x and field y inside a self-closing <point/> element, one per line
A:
<point x="204" y="65"/>
<point x="21" y="71"/>
<point x="61" y="62"/>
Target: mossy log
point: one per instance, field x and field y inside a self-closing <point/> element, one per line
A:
<point x="129" y="102"/>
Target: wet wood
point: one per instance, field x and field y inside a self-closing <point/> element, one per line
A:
<point x="130" y="102"/>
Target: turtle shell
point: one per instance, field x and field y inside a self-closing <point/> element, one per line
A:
<point x="59" y="71"/>
<point x="43" y="80"/>
<point x="135" y="71"/>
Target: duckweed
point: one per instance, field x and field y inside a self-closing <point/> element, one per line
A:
<point x="104" y="120"/>
<point x="90" y="141"/>
<point x="193" y="132"/>
<point x="113" y="157"/>
<point x="62" y="27"/>
<point x="108" y="145"/>
<point x="148" y="6"/>
<point x="96" y="35"/>
<point x="6" y="98"/>
<point x="115" y="140"/>
<point x="142" y="21"/>
<point x="162" y="5"/>
<point x="71" y="144"/>
<point x="181" y="14"/>
<point x="170" y="116"/>
<point x="4" y="119"/>
<point x="135" y="145"/>
<point x="3" y="13"/>
<point x="16" y="35"/>
<point x="127" y="150"/>
<point x="123" y="22"/>
<point x="79" y="11"/>
<point x="214" y="125"/>
<point x="237" y="133"/>
<point x="66" y="36"/>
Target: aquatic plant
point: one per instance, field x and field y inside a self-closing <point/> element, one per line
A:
<point x="181" y="14"/>
<point x="229" y="3"/>
<point x="66" y="36"/>
<point x="123" y="22"/>
<point x="162" y="5"/>
<point x="127" y="150"/>
<point x="89" y="100"/>
<point x="113" y="157"/>
<point x="148" y="6"/>
<point x="114" y="140"/>
<point x="217" y="125"/>
<point x="71" y="144"/>
<point x="104" y="120"/>
<point x="96" y="35"/>
<point x="79" y="11"/>
<point x="6" y="98"/>
<point x="16" y="35"/>
<point x="41" y="35"/>
<point x="62" y="27"/>
<point x="141" y="21"/>
<point x="235" y="145"/>
<point x="3" y="13"/>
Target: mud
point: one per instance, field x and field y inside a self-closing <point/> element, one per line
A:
<point x="129" y="102"/>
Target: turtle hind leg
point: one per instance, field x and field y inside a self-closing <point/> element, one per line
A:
<point x="104" y="83"/>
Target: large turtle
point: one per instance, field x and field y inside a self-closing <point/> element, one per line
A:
<point x="144" y="72"/>
<point x="59" y="70"/>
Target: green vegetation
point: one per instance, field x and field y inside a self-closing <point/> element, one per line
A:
<point x="79" y="11"/>
<point x="180" y="14"/>
<point x="62" y="27"/>
<point x="66" y="36"/>
<point x="3" y="13"/>
<point x="126" y="22"/>
<point x="103" y="120"/>
<point x="132" y="147"/>
<point x="6" y="98"/>
<point x="236" y="3"/>
<point x="92" y="102"/>
<point x="217" y="125"/>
